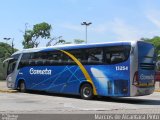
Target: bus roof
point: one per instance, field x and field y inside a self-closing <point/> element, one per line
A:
<point x="74" y="46"/>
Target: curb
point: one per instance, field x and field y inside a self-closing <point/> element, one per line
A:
<point x="156" y="90"/>
<point x="8" y="91"/>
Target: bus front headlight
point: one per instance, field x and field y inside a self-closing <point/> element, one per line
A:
<point x="9" y="79"/>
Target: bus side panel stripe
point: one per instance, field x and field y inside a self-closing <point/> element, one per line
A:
<point x="86" y="74"/>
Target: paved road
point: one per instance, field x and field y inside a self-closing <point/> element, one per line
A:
<point x="53" y="103"/>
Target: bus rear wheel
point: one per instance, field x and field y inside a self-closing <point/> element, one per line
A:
<point x="22" y="87"/>
<point x="86" y="92"/>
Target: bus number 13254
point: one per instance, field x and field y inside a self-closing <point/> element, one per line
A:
<point x="121" y="68"/>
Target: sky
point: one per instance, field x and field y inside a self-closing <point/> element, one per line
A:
<point x="112" y="20"/>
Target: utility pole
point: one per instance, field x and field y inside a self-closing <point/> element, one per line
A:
<point x="86" y="24"/>
<point x="6" y="39"/>
<point x="12" y="44"/>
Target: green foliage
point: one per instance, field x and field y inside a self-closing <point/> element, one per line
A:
<point x="60" y="42"/>
<point x="78" y="41"/>
<point x="41" y="30"/>
<point x="68" y="43"/>
<point x="27" y="42"/>
<point x="5" y="51"/>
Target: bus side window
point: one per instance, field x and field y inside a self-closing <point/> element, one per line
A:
<point x="94" y="55"/>
<point x="117" y="57"/>
<point x="24" y="60"/>
<point x="108" y="58"/>
<point x="78" y="54"/>
<point x="118" y="54"/>
<point x="54" y="58"/>
<point x="66" y="59"/>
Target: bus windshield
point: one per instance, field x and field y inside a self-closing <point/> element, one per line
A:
<point x="12" y="64"/>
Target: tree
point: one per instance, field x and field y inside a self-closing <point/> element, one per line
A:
<point x="67" y="43"/>
<point x="5" y="51"/>
<point x="41" y="30"/>
<point x="60" y="42"/>
<point x="78" y="41"/>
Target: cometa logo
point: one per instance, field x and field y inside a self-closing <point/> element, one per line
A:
<point x="40" y="72"/>
<point x="145" y="77"/>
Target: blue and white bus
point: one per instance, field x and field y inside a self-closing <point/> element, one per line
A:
<point x="103" y="69"/>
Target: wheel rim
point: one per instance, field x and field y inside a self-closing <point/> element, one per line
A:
<point x="87" y="92"/>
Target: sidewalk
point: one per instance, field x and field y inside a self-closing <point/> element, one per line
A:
<point x="4" y="88"/>
<point x="3" y="85"/>
<point x="157" y="87"/>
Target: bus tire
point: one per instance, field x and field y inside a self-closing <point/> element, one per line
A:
<point x="86" y="91"/>
<point x="22" y="87"/>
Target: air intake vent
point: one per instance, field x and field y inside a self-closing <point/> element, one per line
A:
<point x="109" y="87"/>
<point x="120" y="87"/>
<point x="147" y="66"/>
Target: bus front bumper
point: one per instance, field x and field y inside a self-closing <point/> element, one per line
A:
<point x="10" y="83"/>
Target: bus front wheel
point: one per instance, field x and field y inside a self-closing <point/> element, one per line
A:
<point x="22" y="87"/>
<point x="86" y="91"/>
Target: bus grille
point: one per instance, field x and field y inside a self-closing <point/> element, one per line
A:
<point x="147" y="66"/>
<point x="109" y="87"/>
<point x="120" y="87"/>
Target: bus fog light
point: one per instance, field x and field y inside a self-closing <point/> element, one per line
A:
<point x="9" y="84"/>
